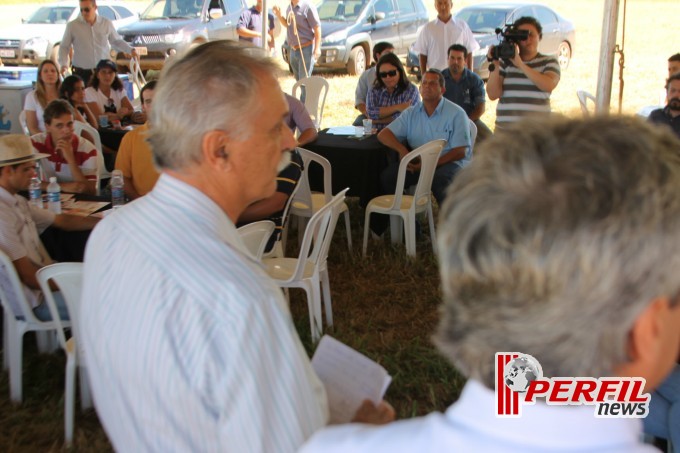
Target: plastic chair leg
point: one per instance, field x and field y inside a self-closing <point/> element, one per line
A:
<point x="430" y="219"/>
<point x="69" y="398"/>
<point x="367" y="227"/>
<point x="328" y="306"/>
<point x="85" y="394"/>
<point x="349" y="231"/>
<point x="15" y="363"/>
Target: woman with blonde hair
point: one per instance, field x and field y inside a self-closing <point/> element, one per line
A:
<point x="46" y="90"/>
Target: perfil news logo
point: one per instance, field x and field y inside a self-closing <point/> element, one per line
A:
<point x="520" y="381"/>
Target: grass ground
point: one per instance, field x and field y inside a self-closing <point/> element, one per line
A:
<point x="384" y="305"/>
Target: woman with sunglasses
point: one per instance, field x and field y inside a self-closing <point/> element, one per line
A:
<point x="105" y="95"/>
<point x="73" y="91"/>
<point x="46" y="90"/>
<point x="392" y="92"/>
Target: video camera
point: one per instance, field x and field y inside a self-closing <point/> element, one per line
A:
<point x="509" y="36"/>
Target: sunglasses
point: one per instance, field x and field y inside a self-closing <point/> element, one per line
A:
<point x="391" y="73"/>
<point x="85" y="10"/>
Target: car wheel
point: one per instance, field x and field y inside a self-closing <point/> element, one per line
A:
<point x="356" y="64"/>
<point x="564" y="55"/>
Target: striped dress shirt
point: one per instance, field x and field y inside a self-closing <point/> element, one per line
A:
<point x="521" y="97"/>
<point x="189" y="345"/>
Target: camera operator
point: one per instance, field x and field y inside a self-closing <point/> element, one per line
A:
<point x="523" y="83"/>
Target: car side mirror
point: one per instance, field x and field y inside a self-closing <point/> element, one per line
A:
<point x="376" y="17"/>
<point x="215" y="13"/>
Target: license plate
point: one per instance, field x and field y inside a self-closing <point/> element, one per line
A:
<point x="141" y="51"/>
<point x="7" y="53"/>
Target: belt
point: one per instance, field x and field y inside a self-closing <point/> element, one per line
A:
<point x="81" y="69"/>
<point x="307" y="44"/>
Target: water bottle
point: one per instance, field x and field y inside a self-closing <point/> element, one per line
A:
<point x="35" y="192"/>
<point x="117" y="190"/>
<point x="54" y="196"/>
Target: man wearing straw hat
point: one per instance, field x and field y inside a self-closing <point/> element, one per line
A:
<point x="20" y="223"/>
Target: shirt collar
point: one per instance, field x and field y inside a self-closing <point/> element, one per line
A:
<point x="7" y="198"/>
<point x="541" y="426"/>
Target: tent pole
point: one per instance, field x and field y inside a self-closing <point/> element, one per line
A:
<point x="610" y="21"/>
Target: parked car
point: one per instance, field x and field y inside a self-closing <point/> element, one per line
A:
<point x="559" y="34"/>
<point x="39" y="36"/>
<point x="349" y="28"/>
<point x="168" y="27"/>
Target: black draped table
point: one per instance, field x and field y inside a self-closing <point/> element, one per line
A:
<point x="356" y="164"/>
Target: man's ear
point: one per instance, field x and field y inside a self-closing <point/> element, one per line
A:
<point x="214" y="150"/>
<point x="645" y="342"/>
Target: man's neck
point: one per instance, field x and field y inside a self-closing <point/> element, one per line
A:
<point x="294" y="2"/>
<point x="431" y="106"/>
<point x="525" y="57"/>
<point x="455" y="76"/>
<point x="673" y="113"/>
<point x="446" y="19"/>
<point x="92" y="21"/>
<point x="8" y="187"/>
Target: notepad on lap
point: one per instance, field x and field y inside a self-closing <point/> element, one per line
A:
<point x="349" y="377"/>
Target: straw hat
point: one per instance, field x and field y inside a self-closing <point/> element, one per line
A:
<point x="17" y="149"/>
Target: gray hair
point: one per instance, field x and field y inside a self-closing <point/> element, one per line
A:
<point x="554" y="240"/>
<point x="213" y="87"/>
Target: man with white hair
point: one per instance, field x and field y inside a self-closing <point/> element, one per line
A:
<point x="190" y="346"/>
<point x="547" y="248"/>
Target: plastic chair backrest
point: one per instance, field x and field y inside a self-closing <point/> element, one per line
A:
<point x="318" y="235"/>
<point x="78" y="128"/>
<point x="302" y="202"/>
<point x="256" y="235"/>
<point x="69" y="279"/>
<point x="12" y="294"/>
<point x="137" y="74"/>
<point x="428" y="153"/>
<point x="473" y="135"/>
<point x="22" y="121"/>
<point x="583" y="97"/>
<point x="316" y="89"/>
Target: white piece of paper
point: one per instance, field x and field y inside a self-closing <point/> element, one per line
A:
<point x="341" y="130"/>
<point x="349" y="377"/>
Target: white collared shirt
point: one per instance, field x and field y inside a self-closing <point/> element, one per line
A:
<point x="91" y="43"/>
<point x="189" y="344"/>
<point x="471" y="425"/>
<point x="20" y="226"/>
<point x="436" y="37"/>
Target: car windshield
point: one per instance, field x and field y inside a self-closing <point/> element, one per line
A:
<point x="483" y="20"/>
<point x="51" y="15"/>
<point x="173" y="9"/>
<point x="340" y="10"/>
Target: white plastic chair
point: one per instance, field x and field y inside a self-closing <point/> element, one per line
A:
<point x="309" y="270"/>
<point x="306" y="203"/>
<point x="473" y="135"/>
<point x="138" y="79"/>
<point x="69" y="279"/>
<point x="256" y="235"/>
<point x="316" y="89"/>
<point x="22" y="121"/>
<point x="102" y="173"/>
<point x="583" y="97"/>
<point x="407" y="206"/>
<point x="18" y="319"/>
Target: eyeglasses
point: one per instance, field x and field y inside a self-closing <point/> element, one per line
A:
<point x="391" y="73"/>
<point x="85" y="10"/>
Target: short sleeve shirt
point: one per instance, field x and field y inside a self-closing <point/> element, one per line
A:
<point x="306" y="18"/>
<point x="251" y="19"/>
<point x="104" y="102"/>
<point x="56" y="165"/>
<point x="467" y="93"/>
<point x="31" y="104"/>
<point x="436" y="37"/>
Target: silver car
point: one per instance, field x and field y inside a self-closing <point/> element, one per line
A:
<point x="38" y="37"/>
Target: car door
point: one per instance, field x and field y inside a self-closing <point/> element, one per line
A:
<point x="223" y="27"/>
<point x="551" y="30"/>
<point x="408" y="25"/>
<point x="385" y="29"/>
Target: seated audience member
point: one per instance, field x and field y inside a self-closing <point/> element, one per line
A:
<point x="670" y="115"/>
<point x="69" y="157"/>
<point x="73" y="90"/>
<point x="171" y="299"/>
<point x="135" y="158"/>
<point x="663" y="420"/>
<point x="21" y="223"/>
<point x="545" y="249"/>
<point x="434" y="118"/>
<point x="46" y="90"/>
<point x="466" y="89"/>
<point x="392" y="92"/>
<point x="366" y="81"/>
<point x="298" y="119"/>
<point x="106" y="94"/>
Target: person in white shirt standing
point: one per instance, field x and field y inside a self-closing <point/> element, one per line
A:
<point x="190" y="345"/>
<point x="545" y="249"/>
<point x="91" y="37"/>
<point x="436" y="36"/>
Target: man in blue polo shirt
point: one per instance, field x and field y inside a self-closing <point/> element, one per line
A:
<point x="249" y="27"/>
<point x="434" y="118"/>
<point x="465" y="89"/>
<point x="303" y="35"/>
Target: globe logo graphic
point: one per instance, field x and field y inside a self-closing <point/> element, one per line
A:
<point x="521" y="371"/>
